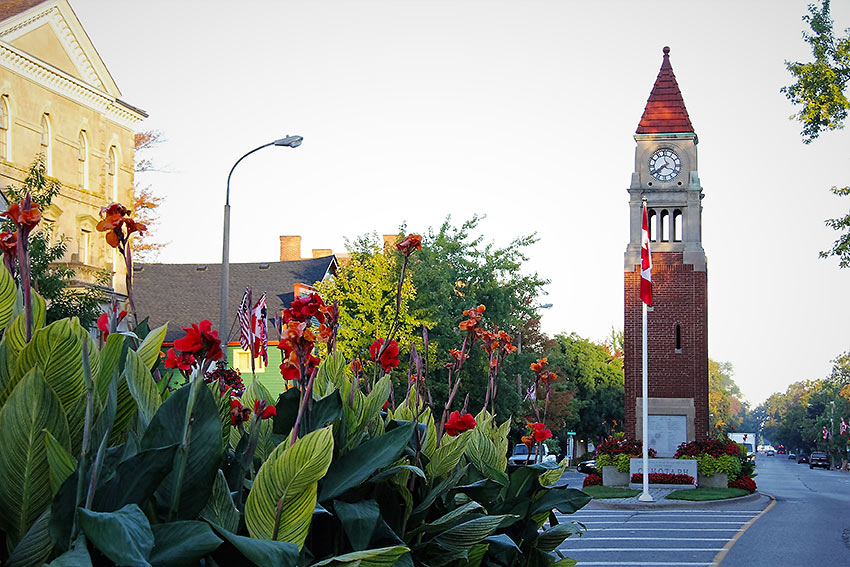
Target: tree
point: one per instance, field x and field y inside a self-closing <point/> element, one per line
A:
<point x="724" y="398"/>
<point x="54" y="281"/>
<point x="820" y="88"/>
<point x="145" y="203"/>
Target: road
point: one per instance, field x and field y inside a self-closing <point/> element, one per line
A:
<point x="802" y="516"/>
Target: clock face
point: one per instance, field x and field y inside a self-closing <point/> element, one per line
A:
<point x="664" y="164"/>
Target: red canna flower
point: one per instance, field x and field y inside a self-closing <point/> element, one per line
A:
<point x="9" y="243"/>
<point x="262" y="409"/>
<point x="24" y="214"/>
<point x="475" y="315"/>
<point x="539" y="431"/>
<point x="528" y="440"/>
<point x="103" y="324"/>
<point x="201" y="341"/>
<point x="538" y="366"/>
<point x="409" y="244"/>
<point x="356" y="366"/>
<point x="457" y="423"/>
<point x="389" y="358"/>
<point x="375" y="348"/>
<point x="238" y="412"/>
<point x="183" y="361"/>
<point x="114" y="218"/>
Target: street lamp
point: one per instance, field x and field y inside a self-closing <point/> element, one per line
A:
<point x="223" y="328"/>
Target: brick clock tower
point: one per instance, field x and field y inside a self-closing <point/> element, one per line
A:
<point x="666" y="175"/>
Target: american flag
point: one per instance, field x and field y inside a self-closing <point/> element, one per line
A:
<point x="246" y="338"/>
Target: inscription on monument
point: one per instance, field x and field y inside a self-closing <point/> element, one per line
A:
<point x="666" y="433"/>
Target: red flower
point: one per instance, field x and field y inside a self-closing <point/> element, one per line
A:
<point x="538" y="366"/>
<point x="201" y="341"/>
<point x="409" y="244"/>
<point x="375" y="348"/>
<point x="103" y="324"/>
<point x="184" y="361"/>
<point x="457" y="423"/>
<point x="389" y="358"/>
<point x="114" y="217"/>
<point x="356" y="366"/>
<point x="238" y="412"/>
<point x="305" y="308"/>
<point x="264" y="410"/>
<point x="24" y="214"/>
<point x="475" y="315"/>
<point x="528" y="440"/>
<point x="9" y="243"/>
<point x="592" y="480"/>
<point x="539" y="431"/>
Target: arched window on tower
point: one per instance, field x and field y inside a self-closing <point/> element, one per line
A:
<point x="83" y="158"/>
<point x="46" y="145"/>
<point x="664" y="221"/>
<point x="653" y="224"/>
<point x="112" y="173"/>
<point x="5" y="129"/>
<point x="677" y="225"/>
<point x="678" y="338"/>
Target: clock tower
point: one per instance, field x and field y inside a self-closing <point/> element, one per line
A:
<point x="666" y="176"/>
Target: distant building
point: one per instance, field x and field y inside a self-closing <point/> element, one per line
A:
<point x="58" y="99"/>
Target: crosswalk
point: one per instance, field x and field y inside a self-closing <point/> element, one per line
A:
<point x="653" y="538"/>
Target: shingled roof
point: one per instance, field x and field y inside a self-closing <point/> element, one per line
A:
<point x="182" y="294"/>
<point x="9" y="8"/>
<point x="665" y="111"/>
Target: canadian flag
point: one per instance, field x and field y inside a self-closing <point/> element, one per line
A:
<point x="645" y="262"/>
<point x="843" y="428"/>
<point x="826" y="434"/>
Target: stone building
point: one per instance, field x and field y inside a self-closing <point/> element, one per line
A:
<point x="666" y="175"/>
<point x="58" y="99"/>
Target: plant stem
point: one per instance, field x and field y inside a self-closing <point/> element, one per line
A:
<point x="308" y="395"/>
<point x="84" y="451"/>
<point x="277" y="512"/>
<point x="183" y="449"/>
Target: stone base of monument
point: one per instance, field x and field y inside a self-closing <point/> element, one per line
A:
<point x="717" y="480"/>
<point x="639" y="486"/>
<point x="612" y="477"/>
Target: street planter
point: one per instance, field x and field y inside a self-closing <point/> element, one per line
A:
<point x="639" y="486"/>
<point x="664" y="480"/>
<point x="612" y="477"/>
<point x="717" y="480"/>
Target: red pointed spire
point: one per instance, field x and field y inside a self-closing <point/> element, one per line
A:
<point x="665" y="111"/>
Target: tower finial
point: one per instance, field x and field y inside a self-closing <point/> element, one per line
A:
<point x="666" y="50"/>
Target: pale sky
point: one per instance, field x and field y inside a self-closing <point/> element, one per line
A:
<point x="521" y="111"/>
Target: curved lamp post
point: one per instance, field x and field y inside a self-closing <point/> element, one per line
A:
<point x="223" y="328"/>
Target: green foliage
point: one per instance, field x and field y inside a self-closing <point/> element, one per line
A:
<point x="729" y="465"/>
<point x="623" y="463"/>
<point x="707" y="465"/>
<point x="604" y="461"/>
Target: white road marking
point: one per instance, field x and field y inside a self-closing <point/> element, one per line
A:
<point x="641" y="549"/>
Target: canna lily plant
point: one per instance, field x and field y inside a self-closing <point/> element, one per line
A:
<point x="106" y="463"/>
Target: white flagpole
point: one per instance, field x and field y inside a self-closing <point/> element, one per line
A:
<point x="645" y="496"/>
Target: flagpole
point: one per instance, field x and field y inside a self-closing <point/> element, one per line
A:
<point x="645" y="496"/>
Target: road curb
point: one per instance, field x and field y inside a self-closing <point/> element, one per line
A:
<point x="671" y="504"/>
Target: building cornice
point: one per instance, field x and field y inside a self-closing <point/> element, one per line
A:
<point x="58" y="81"/>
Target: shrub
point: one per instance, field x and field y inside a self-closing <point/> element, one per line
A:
<point x="622" y="446"/>
<point x="604" y="461"/>
<point x="623" y="463"/>
<point x="713" y="447"/>
<point x="706" y="465"/>
<point x="744" y="482"/>
<point x="664" y="478"/>
<point x="592" y="480"/>
<point x="729" y="465"/>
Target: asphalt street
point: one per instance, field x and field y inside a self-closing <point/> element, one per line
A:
<point x="801" y="516"/>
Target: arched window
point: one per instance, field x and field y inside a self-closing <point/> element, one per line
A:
<point x="83" y="158"/>
<point x="664" y="221"/>
<point x="112" y="173"/>
<point x="5" y="129"/>
<point x="653" y="224"/>
<point x="46" y="146"/>
<point x="677" y="225"/>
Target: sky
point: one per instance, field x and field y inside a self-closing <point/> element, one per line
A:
<point x="523" y="112"/>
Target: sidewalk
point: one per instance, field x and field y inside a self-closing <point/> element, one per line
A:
<point x="659" y="501"/>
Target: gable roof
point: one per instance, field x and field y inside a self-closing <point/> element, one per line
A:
<point x="182" y="294"/>
<point x="665" y="111"/>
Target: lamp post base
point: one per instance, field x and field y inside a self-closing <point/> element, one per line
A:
<point x="646" y="497"/>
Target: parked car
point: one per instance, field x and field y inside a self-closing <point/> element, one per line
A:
<point x="522" y="456"/>
<point x="587" y="467"/>
<point x="802" y="458"/>
<point x="819" y="459"/>
<point x="770" y="452"/>
<point x="792" y="456"/>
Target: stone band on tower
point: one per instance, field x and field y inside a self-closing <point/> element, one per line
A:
<point x="666" y="175"/>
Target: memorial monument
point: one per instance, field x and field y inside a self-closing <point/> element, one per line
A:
<point x="666" y="175"/>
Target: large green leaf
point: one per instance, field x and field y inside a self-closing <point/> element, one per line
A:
<point x="467" y="534"/>
<point x="8" y="292"/>
<point x="223" y="404"/>
<point x="260" y="552"/>
<point x="448" y="454"/>
<point x="124" y="536"/>
<point x="550" y="477"/>
<point x="16" y="336"/>
<point x="481" y="450"/>
<point x="331" y="375"/>
<point x="550" y="539"/>
<point x="358" y="520"/>
<point x="566" y="500"/>
<point x="35" y="547"/>
<point x="78" y="556"/>
<point x="182" y="543"/>
<point x="383" y="557"/>
<point x="166" y="428"/>
<point x="141" y="386"/>
<point x="24" y="470"/>
<point x="110" y="364"/>
<point x="150" y="348"/>
<point x="220" y="508"/>
<point x="135" y="479"/>
<point x="287" y="481"/>
<point x="60" y="461"/>
<point x="125" y="411"/>
<point x="358" y="465"/>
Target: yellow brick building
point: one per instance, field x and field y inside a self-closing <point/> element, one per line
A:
<point x="58" y="99"/>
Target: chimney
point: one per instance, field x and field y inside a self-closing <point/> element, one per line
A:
<point x="322" y="252"/>
<point x="290" y="248"/>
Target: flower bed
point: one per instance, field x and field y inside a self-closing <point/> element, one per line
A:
<point x="744" y="482"/>
<point x="663" y="478"/>
<point x="592" y="480"/>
